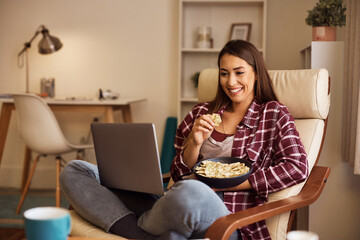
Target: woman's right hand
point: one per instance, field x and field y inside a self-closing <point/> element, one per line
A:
<point x="202" y="129"/>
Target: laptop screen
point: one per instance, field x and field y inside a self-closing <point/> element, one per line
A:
<point x="127" y="156"/>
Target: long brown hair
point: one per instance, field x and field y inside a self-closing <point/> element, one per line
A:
<point x="264" y="91"/>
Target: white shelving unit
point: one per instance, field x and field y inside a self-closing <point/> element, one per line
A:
<point x="219" y="15"/>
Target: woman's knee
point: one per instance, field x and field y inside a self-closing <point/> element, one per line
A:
<point x="192" y="187"/>
<point x="74" y="170"/>
<point x="70" y="168"/>
<point x="195" y="195"/>
<point x="189" y="206"/>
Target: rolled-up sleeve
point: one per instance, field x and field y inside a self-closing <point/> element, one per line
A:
<point x="178" y="167"/>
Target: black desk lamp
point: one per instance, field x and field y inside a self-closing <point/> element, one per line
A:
<point x="48" y="44"/>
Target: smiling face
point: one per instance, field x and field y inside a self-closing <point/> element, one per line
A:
<point x="237" y="79"/>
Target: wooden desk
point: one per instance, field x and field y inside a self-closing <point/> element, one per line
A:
<point x="106" y="107"/>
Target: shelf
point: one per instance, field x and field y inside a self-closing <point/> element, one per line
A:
<point x="201" y="50"/>
<point x="219" y="16"/>
<point x="189" y="100"/>
<point x="205" y="50"/>
<point x="222" y="1"/>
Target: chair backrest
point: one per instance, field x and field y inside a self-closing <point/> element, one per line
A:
<point x="306" y="94"/>
<point x="38" y="126"/>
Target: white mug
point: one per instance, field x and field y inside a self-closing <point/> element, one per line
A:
<point x="301" y="235"/>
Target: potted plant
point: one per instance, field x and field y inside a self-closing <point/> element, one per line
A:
<point x="325" y="17"/>
<point x="195" y="79"/>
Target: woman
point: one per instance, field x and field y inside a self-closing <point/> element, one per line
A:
<point x="254" y="126"/>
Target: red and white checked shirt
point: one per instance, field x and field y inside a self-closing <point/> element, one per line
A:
<point x="268" y="138"/>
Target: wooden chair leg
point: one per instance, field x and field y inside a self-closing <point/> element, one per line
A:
<point x="26" y="167"/>
<point x="79" y="154"/>
<point x="58" y="162"/>
<point x="27" y="185"/>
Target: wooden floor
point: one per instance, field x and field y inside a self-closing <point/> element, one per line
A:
<point x="12" y="234"/>
<point x="18" y="233"/>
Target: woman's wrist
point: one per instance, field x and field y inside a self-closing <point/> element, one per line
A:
<point x="194" y="144"/>
<point x="191" y="153"/>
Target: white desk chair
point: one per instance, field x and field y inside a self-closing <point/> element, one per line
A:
<point x="42" y="134"/>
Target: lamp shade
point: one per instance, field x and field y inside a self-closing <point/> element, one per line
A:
<point x="48" y="44"/>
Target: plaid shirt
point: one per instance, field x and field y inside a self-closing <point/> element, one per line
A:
<point x="268" y="138"/>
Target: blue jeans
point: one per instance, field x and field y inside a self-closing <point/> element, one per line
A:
<point x="188" y="208"/>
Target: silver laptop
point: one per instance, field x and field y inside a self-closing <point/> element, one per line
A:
<point x="127" y="156"/>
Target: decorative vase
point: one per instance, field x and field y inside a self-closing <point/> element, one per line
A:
<point x="203" y="37"/>
<point x="324" y="34"/>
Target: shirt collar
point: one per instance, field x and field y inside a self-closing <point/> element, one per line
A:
<point x="221" y="111"/>
<point x="252" y="115"/>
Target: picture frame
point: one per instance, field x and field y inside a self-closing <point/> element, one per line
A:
<point x="240" y="31"/>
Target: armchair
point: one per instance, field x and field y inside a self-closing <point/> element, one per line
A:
<point x="305" y="93"/>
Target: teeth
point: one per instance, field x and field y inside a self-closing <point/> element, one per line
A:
<point x="235" y="90"/>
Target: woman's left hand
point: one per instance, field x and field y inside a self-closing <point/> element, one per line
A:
<point x="243" y="186"/>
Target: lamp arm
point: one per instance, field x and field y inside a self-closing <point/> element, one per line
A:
<point x="28" y="44"/>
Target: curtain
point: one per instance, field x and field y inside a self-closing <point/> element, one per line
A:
<point x="351" y="106"/>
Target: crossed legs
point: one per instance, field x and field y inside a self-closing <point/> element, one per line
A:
<point x="189" y="208"/>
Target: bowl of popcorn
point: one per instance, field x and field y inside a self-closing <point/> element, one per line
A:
<point x="223" y="172"/>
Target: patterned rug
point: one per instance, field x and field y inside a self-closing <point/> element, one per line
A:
<point x="9" y="200"/>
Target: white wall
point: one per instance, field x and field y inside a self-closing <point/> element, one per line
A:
<point x="130" y="47"/>
<point x="287" y="32"/>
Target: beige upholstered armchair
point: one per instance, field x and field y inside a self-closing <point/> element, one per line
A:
<point x="306" y="94"/>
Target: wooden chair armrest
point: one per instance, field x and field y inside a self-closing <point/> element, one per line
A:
<point x="223" y="227"/>
<point x="166" y="177"/>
